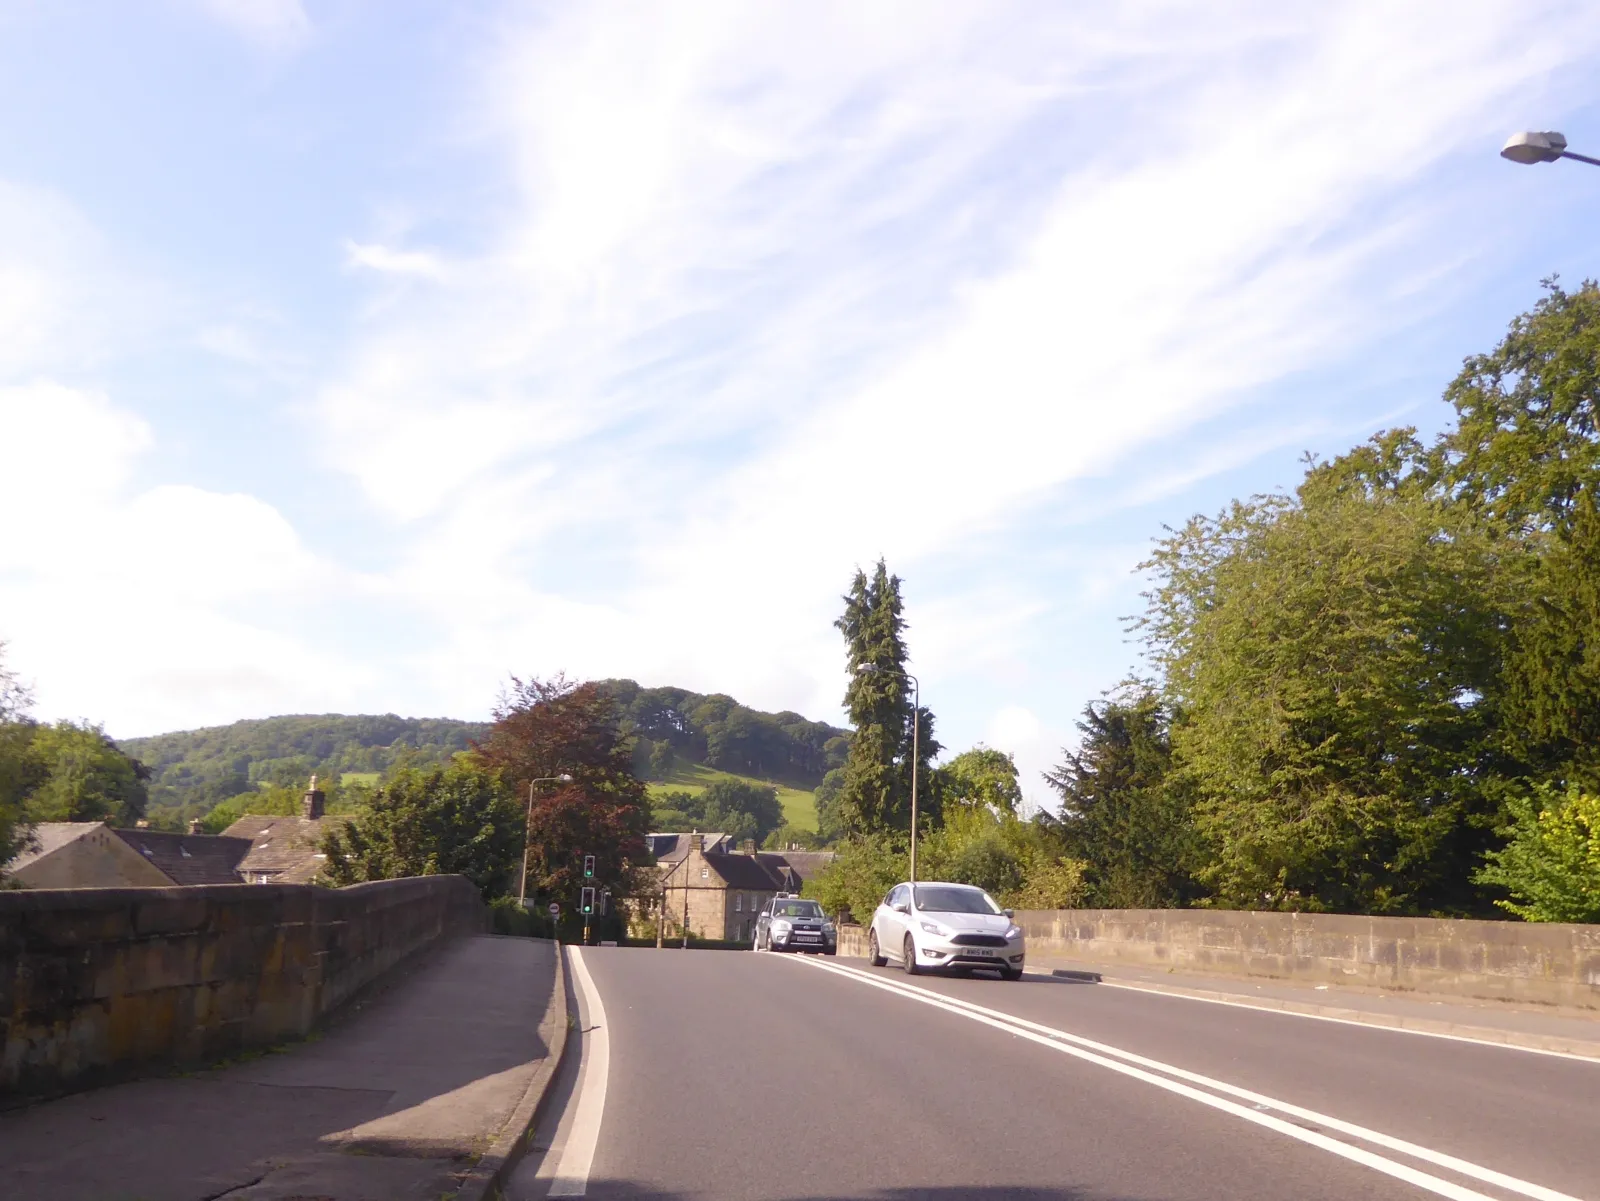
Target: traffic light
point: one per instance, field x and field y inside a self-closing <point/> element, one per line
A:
<point x="588" y="867"/>
<point x="586" y="903"/>
<point x="605" y="902"/>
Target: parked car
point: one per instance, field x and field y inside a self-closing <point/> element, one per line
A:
<point x="932" y="924"/>
<point x="788" y="923"/>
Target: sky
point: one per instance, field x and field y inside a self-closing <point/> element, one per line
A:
<point x="355" y="355"/>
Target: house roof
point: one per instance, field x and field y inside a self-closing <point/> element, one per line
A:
<point x="49" y="837"/>
<point x="805" y="865"/>
<point x="744" y="871"/>
<point x="669" y="848"/>
<point x="284" y="847"/>
<point x="189" y="858"/>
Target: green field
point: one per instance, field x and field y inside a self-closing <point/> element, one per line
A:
<point x="799" y="805"/>
<point x="359" y="777"/>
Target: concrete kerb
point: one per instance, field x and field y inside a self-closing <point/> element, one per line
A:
<point x="484" y="1181"/>
<point x="1483" y="1034"/>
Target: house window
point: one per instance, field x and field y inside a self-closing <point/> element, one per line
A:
<point x="738" y="902"/>
<point x="705" y="873"/>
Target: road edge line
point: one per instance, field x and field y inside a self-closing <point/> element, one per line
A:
<point x="489" y="1174"/>
<point x="1489" y="1036"/>
<point x="589" y="1096"/>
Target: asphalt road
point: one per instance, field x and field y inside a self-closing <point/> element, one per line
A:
<point x="734" y="1075"/>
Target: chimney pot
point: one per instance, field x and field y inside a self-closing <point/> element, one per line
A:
<point x="195" y="827"/>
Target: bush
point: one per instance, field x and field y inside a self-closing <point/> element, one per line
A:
<point x="1551" y="866"/>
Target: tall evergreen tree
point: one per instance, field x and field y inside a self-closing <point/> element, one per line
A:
<point x="875" y="794"/>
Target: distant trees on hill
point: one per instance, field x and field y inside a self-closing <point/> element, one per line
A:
<point x="670" y="724"/>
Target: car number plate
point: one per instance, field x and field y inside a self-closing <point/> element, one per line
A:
<point x="984" y="951"/>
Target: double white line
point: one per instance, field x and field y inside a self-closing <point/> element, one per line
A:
<point x="1242" y="1103"/>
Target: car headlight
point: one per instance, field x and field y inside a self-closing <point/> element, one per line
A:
<point x="936" y="928"/>
<point x="1013" y="931"/>
<point x="780" y="927"/>
<point x="827" y="927"/>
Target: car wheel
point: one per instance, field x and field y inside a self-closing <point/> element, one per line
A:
<point x="874" y="956"/>
<point x="910" y="953"/>
<point x="1011" y="973"/>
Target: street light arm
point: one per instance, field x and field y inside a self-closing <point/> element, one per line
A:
<point x="1582" y="158"/>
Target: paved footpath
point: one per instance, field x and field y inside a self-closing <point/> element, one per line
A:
<point x="412" y="1093"/>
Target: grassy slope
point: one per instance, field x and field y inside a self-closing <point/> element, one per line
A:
<point x="799" y="805"/>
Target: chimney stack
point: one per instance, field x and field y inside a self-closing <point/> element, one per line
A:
<point x="195" y="827"/>
<point x="748" y="846"/>
<point x="697" y="842"/>
<point x="313" y="803"/>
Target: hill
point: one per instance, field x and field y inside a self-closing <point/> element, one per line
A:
<point x="194" y="770"/>
<point x="682" y="741"/>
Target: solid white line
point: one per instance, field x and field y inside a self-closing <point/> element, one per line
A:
<point x="1323" y="1017"/>
<point x="1123" y="1062"/>
<point x="577" y="1157"/>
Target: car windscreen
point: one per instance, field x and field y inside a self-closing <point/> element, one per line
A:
<point x="797" y="909"/>
<point x="937" y="899"/>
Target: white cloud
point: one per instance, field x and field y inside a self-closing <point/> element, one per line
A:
<point x="270" y="24"/>
<point x="792" y="288"/>
<point x="394" y="262"/>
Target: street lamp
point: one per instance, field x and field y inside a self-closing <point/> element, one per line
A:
<point x="522" y="889"/>
<point x="1529" y="148"/>
<point x="867" y="669"/>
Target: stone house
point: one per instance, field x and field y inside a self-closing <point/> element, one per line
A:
<point x="94" y="855"/>
<point x="284" y="850"/>
<point x="718" y="890"/>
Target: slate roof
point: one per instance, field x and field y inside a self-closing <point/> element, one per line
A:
<point x="190" y="858"/>
<point x="796" y="867"/>
<point x="744" y="871"/>
<point x="669" y="848"/>
<point x="48" y="837"/>
<point x="284" y="847"/>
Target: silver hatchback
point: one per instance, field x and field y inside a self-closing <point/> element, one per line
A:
<point x="928" y="925"/>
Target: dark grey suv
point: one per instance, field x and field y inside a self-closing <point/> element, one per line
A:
<point x="791" y="924"/>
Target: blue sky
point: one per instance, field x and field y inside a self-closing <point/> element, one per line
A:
<point x="354" y="355"/>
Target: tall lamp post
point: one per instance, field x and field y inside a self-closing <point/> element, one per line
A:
<point x="871" y="669"/>
<point x="522" y="889"/>
<point x="1529" y="147"/>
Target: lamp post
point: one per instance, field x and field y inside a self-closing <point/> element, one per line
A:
<point x="867" y="669"/>
<point x="522" y="889"/>
<point x="1530" y="147"/>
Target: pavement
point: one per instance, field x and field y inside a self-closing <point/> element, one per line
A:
<point x="746" y="1077"/>
<point x="421" y="1090"/>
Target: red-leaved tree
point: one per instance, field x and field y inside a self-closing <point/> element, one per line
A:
<point x="549" y="728"/>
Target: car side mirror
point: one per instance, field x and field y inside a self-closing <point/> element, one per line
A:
<point x="1009" y="912"/>
<point x="902" y="907"/>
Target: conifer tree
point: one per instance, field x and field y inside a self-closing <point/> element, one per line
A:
<point x="875" y="796"/>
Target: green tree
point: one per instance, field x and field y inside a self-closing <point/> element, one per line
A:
<point x="725" y="802"/>
<point x="87" y="777"/>
<point x="21" y="769"/>
<point x="1551" y="866"/>
<point x="861" y="873"/>
<point x="456" y="820"/>
<point x="1332" y="654"/>
<point x="979" y="777"/>
<point x="875" y="793"/>
<point x="550" y="728"/>
<point x="786" y="836"/>
<point x="1124" y="811"/>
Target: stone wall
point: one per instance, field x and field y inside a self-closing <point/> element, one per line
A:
<point x="1508" y="961"/>
<point x="96" y="983"/>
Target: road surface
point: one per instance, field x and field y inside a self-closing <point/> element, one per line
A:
<point x="733" y="1076"/>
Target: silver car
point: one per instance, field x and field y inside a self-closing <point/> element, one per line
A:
<point x="792" y="924"/>
<point x="928" y="925"/>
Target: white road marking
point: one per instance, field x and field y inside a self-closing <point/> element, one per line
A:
<point x="1142" y="1068"/>
<point x="577" y="1157"/>
<point x="1322" y="1017"/>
